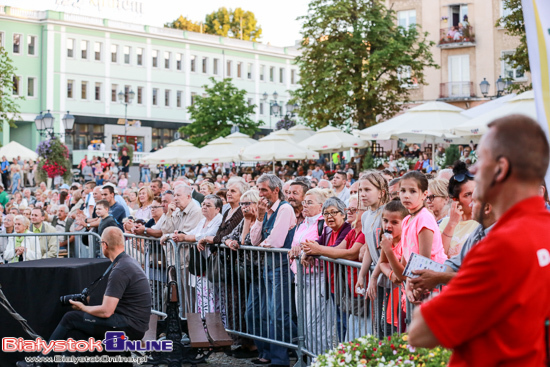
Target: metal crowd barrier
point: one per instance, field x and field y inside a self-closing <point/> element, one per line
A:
<point x="45" y="245"/>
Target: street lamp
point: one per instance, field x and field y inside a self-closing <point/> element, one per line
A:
<point x="68" y="121"/>
<point x="122" y="98"/>
<point x="44" y="123"/>
<point x="501" y="84"/>
<point x="274" y="107"/>
<point x="484" y="86"/>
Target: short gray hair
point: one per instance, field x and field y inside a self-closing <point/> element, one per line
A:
<point x="273" y="182"/>
<point x="320" y="195"/>
<point x="188" y="190"/>
<point x="334" y="201"/>
<point x="327" y="181"/>
<point x="218" y="203"/>
<point x="65" y="208"/>
<point x="24" y="220"/>
<point x="240" y="183"/>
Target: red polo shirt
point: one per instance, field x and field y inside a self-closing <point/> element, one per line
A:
<point x="493" y="312"/>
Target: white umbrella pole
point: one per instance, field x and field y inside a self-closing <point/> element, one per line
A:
<point x="433" y="152"/>
<point x="273" y="165"/>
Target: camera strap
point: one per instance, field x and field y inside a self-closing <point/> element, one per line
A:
<point x="113" y="264"/>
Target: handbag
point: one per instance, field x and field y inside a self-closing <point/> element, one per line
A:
<point x="219" y="267"/>
<point x="197" y="262"/>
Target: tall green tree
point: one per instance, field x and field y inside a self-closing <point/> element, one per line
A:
<point x="213" y="115"/>
<point x="9" y="108"/>
<point x="184" y="24"/>
<point x="356" y="63"/>
<point x="237" y="23"/>
<point x="514" y="25"/>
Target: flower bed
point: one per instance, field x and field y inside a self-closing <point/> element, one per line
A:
<point x="392" y="351"/>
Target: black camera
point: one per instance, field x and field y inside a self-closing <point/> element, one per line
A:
<point x="80" y="297"/>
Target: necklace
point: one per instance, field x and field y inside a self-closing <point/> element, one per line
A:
<point x="418" y="211"/>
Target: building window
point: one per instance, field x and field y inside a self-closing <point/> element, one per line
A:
<point x="193" y="95"/>
<point x="31" y="45"/>
<point x="406" y="18"/>
<point x="139" y="58"/>
<point x="30" y="86"/>
<point x="215" y="66"/>
<point x="155" y="58"/>
<point x="271" y="74"/>
<point x="239" y="69"/>
<point x="504" y="11"/>
<point x="293" y="76"/>
<point x="70" y="47"/>
<point x="262" y="72"/>
<point x="192" y="59"/>
<point x="178" y="98"/>
<point x="178" y="61"/>
<point x="140" y="95"/>
<point x="167" y="56"/>
<point x="16" y="43"/>
<point x="167" y="97"/>
<point x="113" y="92"/>
<point x="15" y="90"/>
<point x="84" y="90"/>
<point x="405" y="76"/>
<point x="70" y="84"/>
<point x="509" y="72"/>
<point x="97" y="51"/>
<point x="261" y="108"/>
<point x="126" y="54"/>
<point x="250" y="101"/>
<point x="229" y="65"/>
<point x="249" y="71"/>
<point x="98" y="91"/>
<point x="155" y="96"/>
<point x="204" y="65"/>
<point x="281" y="75"/>
<point x="114" y="52"/>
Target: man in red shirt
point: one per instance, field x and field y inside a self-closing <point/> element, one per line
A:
<point x="495" y="311"/>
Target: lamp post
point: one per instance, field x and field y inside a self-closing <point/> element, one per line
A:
<point x="274" y="107"/>
<point x="125" y="100"/>
<point x="500" y="83"/>
<point x="44" y="123"/>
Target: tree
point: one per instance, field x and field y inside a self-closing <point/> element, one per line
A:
<point x="356" y="63"/>
<point x="185" y="24"/>
<point x="214" y="115"/>
<point x="9" y="108"/>
<point x="514" y="25"/>
<point x="224" y="22"/>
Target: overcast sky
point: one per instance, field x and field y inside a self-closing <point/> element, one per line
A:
<point x="277" y="18"/>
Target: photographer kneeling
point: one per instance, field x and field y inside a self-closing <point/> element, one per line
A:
<point x="126" y="304"/>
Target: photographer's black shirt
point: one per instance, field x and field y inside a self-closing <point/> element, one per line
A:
<point x="128" y="283"/>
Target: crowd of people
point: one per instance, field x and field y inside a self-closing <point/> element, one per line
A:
<point x="377" y="218"/>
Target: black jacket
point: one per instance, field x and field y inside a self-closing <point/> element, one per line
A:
<point x="197" y="196"/>
<point x="108" y="221"/>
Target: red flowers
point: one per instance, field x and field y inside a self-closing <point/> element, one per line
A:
<point x="54" y="169"/>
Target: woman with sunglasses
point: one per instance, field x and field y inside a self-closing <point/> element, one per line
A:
<point x="437" y="200"/>
<point x="459" y="225"/>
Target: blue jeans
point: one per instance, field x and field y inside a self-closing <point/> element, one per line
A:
<point x="256" y="307"/>
<point x="279" y="314"/>
<point x="145" y="175"/>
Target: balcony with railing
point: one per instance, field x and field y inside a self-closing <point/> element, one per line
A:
<point x="457" y="90"/>
<point x="457" y="36"/>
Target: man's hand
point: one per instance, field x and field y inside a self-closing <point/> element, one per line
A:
<point x="426" y="281"/>
<point x="139" y="229"/>
<point x="171" y="209"/>
<point x="129" y="226"/>
<point x="263" y="204"/>
<point x="79" y="306"/>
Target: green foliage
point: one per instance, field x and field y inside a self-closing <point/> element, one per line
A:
<point x="514" y="25"/>
<point x="368" y="161"/>
<point x="184" y="24"/>
<point x="352" y="54"/>
<point x="451" y="156"/>
<point x="53" y="160"/>
<point x="129" y="148"/>
<point x="213" y="115"/>
<point x="9" y="109"/>
<point x="236" y="23"/>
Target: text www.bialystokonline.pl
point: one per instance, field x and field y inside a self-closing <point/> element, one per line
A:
<point x="90" y="359"/>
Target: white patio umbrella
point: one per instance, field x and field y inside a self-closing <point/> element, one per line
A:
<point x="283" y="133"/>
<point x="277" y="148"/>
<point x="13" y="150"/>
<point x="523" y="104"/>
<point x="331" y="139"/>
<point x="174" y="153"/>
<point x="241" y="139"/>
<point x="300" y="132"/>
<point x="217" y="151"/>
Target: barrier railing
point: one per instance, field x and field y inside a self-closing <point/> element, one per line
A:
<point x="47" y="245"/>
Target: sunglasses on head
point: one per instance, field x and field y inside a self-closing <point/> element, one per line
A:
<point x="462" y="176"/>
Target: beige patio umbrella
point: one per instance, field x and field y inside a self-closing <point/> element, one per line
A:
<point x="241" y="139"/>
<point x="300" y="132"/>
<point x="283" y="133"/>
<point x="331" y="139"/>
<point x="217" y="151"/>
<point x="174" y="153"/>
<point x="277" y="148"/>
<point x="523" y="104"/>
<point x="13" y="150"/>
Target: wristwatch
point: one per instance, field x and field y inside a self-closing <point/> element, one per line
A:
<point x="145" y="231"/>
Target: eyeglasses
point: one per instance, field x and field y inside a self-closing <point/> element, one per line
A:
<point x="331" y="214"/>
<point x="432" y="197"/>
<point x="308" y="203"/>
<point x="170" y="192"/>
<point x="207" y="205"/>
<point x="462" y="176"/>
<point x="105" y="243"/>
<point x="246" y="203"/>
<point x="351" y="210"/>
<point x="157" y="207"/>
